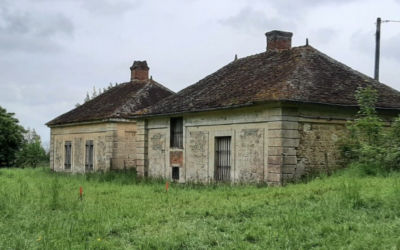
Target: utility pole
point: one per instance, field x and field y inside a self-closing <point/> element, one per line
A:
<point x="378" y="44"/>
<point x="377" y="48"/>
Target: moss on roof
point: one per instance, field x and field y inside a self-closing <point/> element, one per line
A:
<point x="118" y="102"/>
<point x="301" y="74"/>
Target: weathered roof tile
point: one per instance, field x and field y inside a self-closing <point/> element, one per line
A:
<point x="301" y="74"/>
<point x="118" y="102"/>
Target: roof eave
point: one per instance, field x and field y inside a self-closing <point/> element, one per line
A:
<point x="68" y="124"/>
<point x="274" y="103"/>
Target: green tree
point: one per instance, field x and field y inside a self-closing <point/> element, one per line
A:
<point x="11" y="138"/>
<point x="32" y="152"/>
<point x="370" y="145"/>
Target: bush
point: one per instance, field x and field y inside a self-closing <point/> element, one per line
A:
<point x="369" y="144"/>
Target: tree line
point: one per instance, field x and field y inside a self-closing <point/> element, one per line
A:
<point x="19" y="147"/>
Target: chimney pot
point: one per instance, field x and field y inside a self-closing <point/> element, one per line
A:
<point x="139" y="71"/>
<point x="278" y="40"/>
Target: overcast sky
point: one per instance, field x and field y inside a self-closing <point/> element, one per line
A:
<point x="54" y="51"/>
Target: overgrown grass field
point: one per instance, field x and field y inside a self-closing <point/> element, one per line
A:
<point x="42" y="210"/>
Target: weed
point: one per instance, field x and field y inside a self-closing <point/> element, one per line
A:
<point x="345" y="211"/>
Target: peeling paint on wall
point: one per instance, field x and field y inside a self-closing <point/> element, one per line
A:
<point x="157" y="155"/>
<point x="101" y="153"/>
<point x="130" y="149"/>
<point x="79" y="161"/>
<point x="197" y="156"/>
<point x="59" y="155"/>
<point x="318" y="149"/>
<point x="250" y="155"/>
<point x="176" y="158"/>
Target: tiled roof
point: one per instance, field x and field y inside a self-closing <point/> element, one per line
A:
<point x="118" y="102"/>
<point x="300" y="74"/>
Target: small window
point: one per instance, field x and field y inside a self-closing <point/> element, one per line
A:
<point x="175" y="173"/>
<point x="67" y="156"/>
<point x="89" y="156"/>
<point x="223" y="158"/>
<point x="177" y="132"/>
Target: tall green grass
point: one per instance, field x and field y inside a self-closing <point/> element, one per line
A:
<point x="42" y="210"/>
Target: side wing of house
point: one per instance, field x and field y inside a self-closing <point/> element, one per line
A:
<point x="236" y="145"/>
<point x="255" y="144"/>
<point x="99" y="146"/>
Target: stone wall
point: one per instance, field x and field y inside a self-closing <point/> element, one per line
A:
<point x="250" y="155"/>
<point x="318" y="149"/>
<point x="197" y="156"/>
<point x="78" y="135"/>
<point x="247" y="128"/>
<point x="268" y="144"/>
<point x="157" y="155"/>
<point x="111" y="146"/>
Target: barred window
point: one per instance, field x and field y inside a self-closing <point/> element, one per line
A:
<point x="223" y="158"/>
<point x="177" y="132"/>
<point x="67" y="155"/>
<point x="89" y="156"/>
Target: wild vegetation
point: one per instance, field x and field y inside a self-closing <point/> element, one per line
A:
<point x="371" y="144"/>
<point x="356" y="208"/>
<point x="19" y="147"/>
<point x="349" y="210"/>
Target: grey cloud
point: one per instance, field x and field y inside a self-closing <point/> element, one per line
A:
<point x="365" y="43"/>
<point x="109" y="7"/>
<point x="28" y="44"/>
<point x="390" y="48"/>
<point x="324" y="35"/>
<point x="299" y="7"/>
<point x="362" y="41"/>
<point x="38" y="24"/>
<point x="32" y="32"/>
<point x="254" y="20"/>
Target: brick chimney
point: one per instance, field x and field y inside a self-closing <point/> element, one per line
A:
<point x="139" y="71"/>
<point x="278" y="40"/>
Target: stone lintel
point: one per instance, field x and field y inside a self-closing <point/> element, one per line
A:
<point x="280" y="133"/>
<point x="279" y="150"/>
<point x="283" y="125"/>
<point x="276" y="142"/>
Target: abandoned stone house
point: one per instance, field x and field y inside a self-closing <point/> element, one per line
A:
<point x="268" y="117"/>
<point x="100" y="135"/>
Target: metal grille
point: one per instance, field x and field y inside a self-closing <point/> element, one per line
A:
<point x="177" y="132"/>
<point x="89" y="156"/>
<point x="67" y="159"/>
<point x="223" y="158"/>
<point x="175" y="173"/>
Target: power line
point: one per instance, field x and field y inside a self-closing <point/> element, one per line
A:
<point x="389" y="21"/>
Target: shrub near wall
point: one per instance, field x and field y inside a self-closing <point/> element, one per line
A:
<point x="369" y="145"/>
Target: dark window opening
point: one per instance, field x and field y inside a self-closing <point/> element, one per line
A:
<point x="89" y="156"/>
<point x="223" y="158"/>
<point x="175" y="173"/>
<point x="68" y="156"/>
<point x="177" y="132"/>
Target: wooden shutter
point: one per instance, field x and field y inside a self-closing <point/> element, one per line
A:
<point x="89" y="156"/>
<point x="68" y="155"/>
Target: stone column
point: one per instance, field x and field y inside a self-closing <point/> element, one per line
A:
<point x="111" y="146"/>
<point x="142" y="148"/>
<point x="283" y="140"/>
<point x="51" y="149"/>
